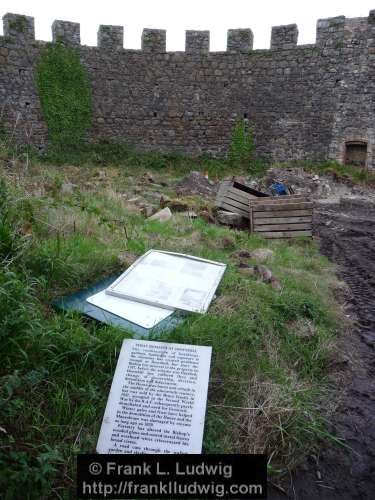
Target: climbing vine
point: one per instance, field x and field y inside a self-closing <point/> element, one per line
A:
<point x="65" y="95"/>
<point x="241" y="148"/>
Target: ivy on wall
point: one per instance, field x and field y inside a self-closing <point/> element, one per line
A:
<point x="65" y="95"/>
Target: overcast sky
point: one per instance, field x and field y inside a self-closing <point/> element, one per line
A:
<point x="177" y="15"/>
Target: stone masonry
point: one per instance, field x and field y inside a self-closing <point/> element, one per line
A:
<point x="304" y="101"/>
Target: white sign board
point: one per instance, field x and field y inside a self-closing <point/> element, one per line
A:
<point x="171" y="280"/>
<point x="157" y="402"/>
<point x="144" y="315"/>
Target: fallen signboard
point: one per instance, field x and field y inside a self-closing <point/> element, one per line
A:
<point x="79" y="302"/>
<point x="157" y="401"/>
<point x="170" y="280"/>
<point x="141" y="314"/>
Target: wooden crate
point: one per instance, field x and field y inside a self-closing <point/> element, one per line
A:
<point x="234" y="197"/>
<point x="281" y="216"/>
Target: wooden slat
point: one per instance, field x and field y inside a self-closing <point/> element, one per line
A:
<point x="281" y="220"/>
<point x="251" y="219"/>
<point x="237" y="194"/>
<point x="223" y="186"/>
<point x="285" y="234"/>
<point x="229" y="198"/>
<point x="280" y="204"/>
<point x="226" y="199"/>
<point x="292" y="206"/>
<point x="235" y="203"/>
<point x="280" y="227"/>
<point x="281" y="199"/>
<point x="285" y="213"/>
<point x="230" y="208"/>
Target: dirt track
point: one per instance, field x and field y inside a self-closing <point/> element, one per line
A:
<point x="347" y="236"/>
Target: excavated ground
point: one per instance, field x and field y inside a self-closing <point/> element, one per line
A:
<point x="347" y="236"/>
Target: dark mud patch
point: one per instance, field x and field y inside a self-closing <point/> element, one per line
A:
<point x="347" y="236"/>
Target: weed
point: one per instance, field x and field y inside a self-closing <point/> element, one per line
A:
<point x="242" y="148"/>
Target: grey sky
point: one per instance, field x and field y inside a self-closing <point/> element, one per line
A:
<point x="177" y="15"/>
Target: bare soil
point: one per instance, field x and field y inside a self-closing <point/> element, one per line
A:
<point x="347" y="236"/>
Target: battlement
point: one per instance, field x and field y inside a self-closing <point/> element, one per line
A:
<point x="67" y="33"/>
<point x="328" y="33"/>
<point x="284" y="37"/>
<point x="111" y="37"/>
<point x="304" y="102"/>
<point x="19" y="27"/>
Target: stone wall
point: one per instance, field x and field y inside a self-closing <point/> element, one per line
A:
<point x="304" y="101"/>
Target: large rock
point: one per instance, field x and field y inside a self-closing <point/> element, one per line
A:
<point x="231" y="219"/>
<point x="261" y="254"/>
<point x="162" y="215"/>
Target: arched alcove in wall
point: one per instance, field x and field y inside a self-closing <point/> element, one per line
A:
<point x="356" y="153"/>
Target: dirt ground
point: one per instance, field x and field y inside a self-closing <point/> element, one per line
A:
<point x="347" y="236"/>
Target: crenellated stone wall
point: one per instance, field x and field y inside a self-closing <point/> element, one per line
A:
<point x="305" y="101"/>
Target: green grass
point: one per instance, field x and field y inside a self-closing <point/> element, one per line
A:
<point x="268" y="377"/>
<point x="107" y="154"/>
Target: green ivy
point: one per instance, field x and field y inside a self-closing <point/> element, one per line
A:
<point x="65" y="95"/>
<point x="241" y="148"/>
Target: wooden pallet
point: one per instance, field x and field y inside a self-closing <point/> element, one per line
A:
<point x="281" y="216"/>
<point x="234" y="197"/>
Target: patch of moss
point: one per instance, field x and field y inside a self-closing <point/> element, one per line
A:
<point x="18" y="24"/>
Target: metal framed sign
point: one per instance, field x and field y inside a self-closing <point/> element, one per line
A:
<point x="170" y="280"/>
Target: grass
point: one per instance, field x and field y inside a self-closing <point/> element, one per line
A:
<point x="108" y="154"/>
<point x="270" y="348"/>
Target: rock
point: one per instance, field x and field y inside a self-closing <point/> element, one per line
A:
<point x="263" y="273"/>
<point x="244" y="254"/>
<point x="230" y="219"/>
<point x="275" y="284"/>
<point x="68" y="188"/>
<point x="261" y="254"/>
<point x="127" y="258"/>
<point x="162" y="216"/>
